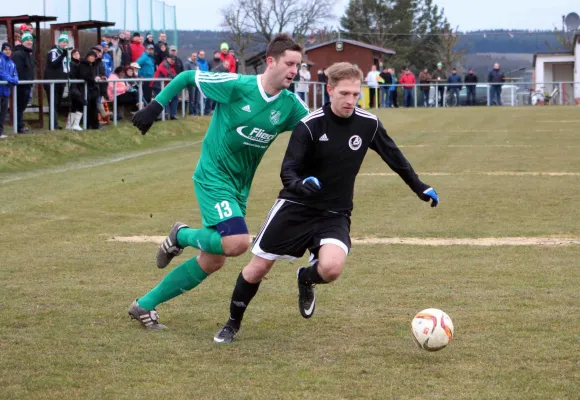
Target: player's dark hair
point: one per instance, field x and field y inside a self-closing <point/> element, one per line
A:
<point x="343" y="70"/>
<point x="281" y="43"/>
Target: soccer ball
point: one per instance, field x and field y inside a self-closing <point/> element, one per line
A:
<point x="432" y="329"/>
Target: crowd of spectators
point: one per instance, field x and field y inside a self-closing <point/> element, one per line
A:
<point x="130" y="55"/>
<point x="117" y="57"/>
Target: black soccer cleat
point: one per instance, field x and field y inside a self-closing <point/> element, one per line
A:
<point x="170" y="248"/>
<point x="306" y="297"/>
<point x="225" y="335"/>
<point x="148" y="318"/>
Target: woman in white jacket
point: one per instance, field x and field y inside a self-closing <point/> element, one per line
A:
<point x="302" y="88"/>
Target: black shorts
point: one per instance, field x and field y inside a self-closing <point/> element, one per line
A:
<point x="291" y="228"/>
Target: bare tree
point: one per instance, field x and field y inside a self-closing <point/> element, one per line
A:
<point x="266" y="18"/>
<point x="235" y="21"/>
<point x="447" y="49"/>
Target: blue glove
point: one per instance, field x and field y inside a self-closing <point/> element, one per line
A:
<point x="309" y="186"/>
<point x="430" y="194"/>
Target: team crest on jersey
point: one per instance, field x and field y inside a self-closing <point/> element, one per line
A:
<point x="275" y="117"/>
<point x="355" y="142"/>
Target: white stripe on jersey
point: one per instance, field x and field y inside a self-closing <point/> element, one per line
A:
<point x="216" y="75"/>
<point x="374" y="117"/>
<point x="316" y="114"/>
<point x="302" y="102"/>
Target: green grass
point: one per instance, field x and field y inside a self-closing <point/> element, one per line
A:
<point x="64" y="288"/>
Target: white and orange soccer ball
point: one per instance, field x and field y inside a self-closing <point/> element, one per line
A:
<point x="432" y="329"/>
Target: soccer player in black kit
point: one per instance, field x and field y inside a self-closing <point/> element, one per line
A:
<point x="313" y="210"/>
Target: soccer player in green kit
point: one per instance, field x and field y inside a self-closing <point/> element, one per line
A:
<point x="251" y="112"/>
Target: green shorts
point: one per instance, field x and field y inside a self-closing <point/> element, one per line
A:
<point x="218" y="204"/>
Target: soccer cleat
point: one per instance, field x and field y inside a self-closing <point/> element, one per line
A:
<point x="148" y="318"/>
<point x="226" y="334"/>
<point x="169" y="248"/>
<point x="306" y="297"/>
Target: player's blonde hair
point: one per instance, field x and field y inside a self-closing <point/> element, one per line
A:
<point x="343" y="70"/>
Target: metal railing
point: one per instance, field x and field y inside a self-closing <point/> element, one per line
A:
<point x="451" y="95"/>
<point x="139" y="104"/>
<point x="437" y="95"/>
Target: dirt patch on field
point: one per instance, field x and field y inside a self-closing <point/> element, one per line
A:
<point x="506" y="241"/>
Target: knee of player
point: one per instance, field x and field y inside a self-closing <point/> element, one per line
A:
<point x="237" y="246"/>
<point x="330" y="270"/>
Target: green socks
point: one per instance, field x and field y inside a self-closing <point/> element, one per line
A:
<point x="183" y="278"/>
<point x="206" y="239"/>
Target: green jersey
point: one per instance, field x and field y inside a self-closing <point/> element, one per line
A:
<point x="246" y="121"/>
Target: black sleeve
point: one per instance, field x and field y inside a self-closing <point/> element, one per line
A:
<point x="390" y="153"/>
<point x="55" y="62"/>
<point x="300" y="147"/>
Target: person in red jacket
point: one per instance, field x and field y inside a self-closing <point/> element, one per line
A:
<point x="166" y="70"/>
<point x="408" y="81"/>
<point x="137" y="47"/>
<point x="226" y="56"/>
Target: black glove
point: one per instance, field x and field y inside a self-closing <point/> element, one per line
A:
<point x="309" y="186"/>
<point x="429" y="194"/>
<point x="143" y="119"/>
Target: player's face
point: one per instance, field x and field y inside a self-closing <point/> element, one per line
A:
<point x="344" y="96"/>
<point x="285" y="69"/>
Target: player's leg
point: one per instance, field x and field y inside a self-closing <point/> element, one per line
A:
<point x="224" y="230"/>
<point x="285" y="234"/>
<point x="181" y="279"/>
<point x="328" y="256"/>
<point x="247" y="286"/>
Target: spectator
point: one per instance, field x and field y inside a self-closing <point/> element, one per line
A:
<point x="496" y="77"/>
<point x="394" y="95"/>
<point x="76" y="93"/>
<point x="107" y="60"/>
<point x="471" y="79"/>
<point x="136" y="47"/>
<point x="215" y="62"/>
<point x="202" y="62"/>
<point x="24" y="61"/>
<point x="132" y="71"/>
<point x="236" y="59"/>
<point x="166" y="70"/>
<point x="226" y="56"/>
<point x="89" y="72"/>
<point x="9" y="74"/>
<point x="57" y="67"/>
<point x="147" y="64"/>
<point x="116" y="52"/>
<point x="385" y="90"/>
<point x="440" y="76"/>
<point x="126" y="95"/>
<point x="105" y="114"/>
<point x="373" y="85"/>
<point x="302" y="87"/>
<point x="455" y="86"/>
<point x="324" y="81"/>
<point x="149" y="40"/>
<point x="125" y="47"/>
<point x="408" y="81"/>
<point x="161" y="54"/>
<point x="425" y="79"/>
<point x="192" y="65"/>
<point x="178" y="62"/>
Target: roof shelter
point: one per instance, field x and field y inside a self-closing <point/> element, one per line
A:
<point x="10" y="22"/>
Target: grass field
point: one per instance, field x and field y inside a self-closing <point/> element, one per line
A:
<point x="65" y="287"/>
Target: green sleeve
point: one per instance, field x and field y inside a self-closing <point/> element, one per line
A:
<point x="177" y="84"/>
<point x="299" y="111"/>
<point x="217" y="86"/>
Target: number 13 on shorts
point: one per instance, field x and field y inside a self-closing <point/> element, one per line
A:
<point x="223" y="209"/>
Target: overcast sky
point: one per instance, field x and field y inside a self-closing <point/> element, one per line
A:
<point x="469" y="15"/>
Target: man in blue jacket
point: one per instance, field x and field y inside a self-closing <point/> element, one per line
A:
<point x="496" y="78"/>
<point x="147" y="64"/>
<point x="7" y="73"/>
<point x="455" y="84"/>
<point x="203" y="65"/>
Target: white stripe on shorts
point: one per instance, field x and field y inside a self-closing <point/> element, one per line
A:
<point x="256" y="249"/>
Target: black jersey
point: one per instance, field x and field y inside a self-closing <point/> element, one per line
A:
<point x="332" y="149"/>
